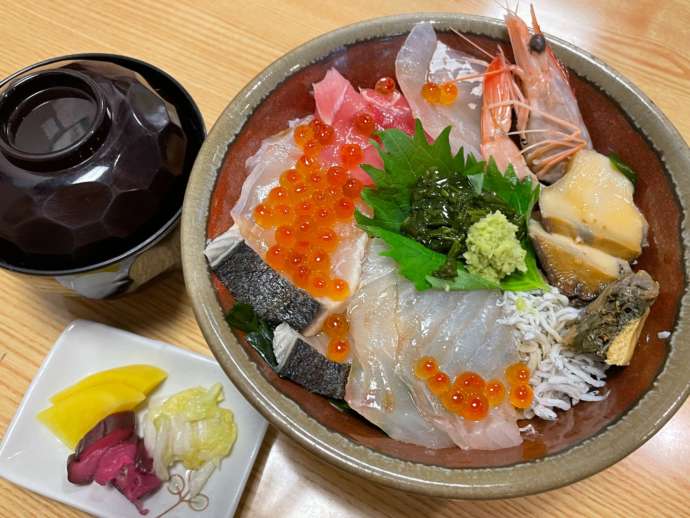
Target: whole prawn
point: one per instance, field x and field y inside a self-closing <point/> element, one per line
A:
<point x="549" y="121"/>
<point x="500" y="90"/>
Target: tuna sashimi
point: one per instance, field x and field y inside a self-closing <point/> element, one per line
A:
<point x="337" y="104"/>
<point x="423" y="58"/>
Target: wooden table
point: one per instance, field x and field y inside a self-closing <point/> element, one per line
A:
<point x="214" y="48"/>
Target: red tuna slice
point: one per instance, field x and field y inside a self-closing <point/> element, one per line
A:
<point x="390" y="110"/>
<point x="337" y="104"/>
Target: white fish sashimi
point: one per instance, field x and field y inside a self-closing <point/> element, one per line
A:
<point x="392" y="325"/>
<point x="423" y="58"/>
<point x="459" y="330"/>
<point x="374" y="390"/>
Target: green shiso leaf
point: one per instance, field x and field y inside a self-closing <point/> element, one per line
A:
<point x="406" y="159"/>
<point x="623" y="168"/>
<point x="257" y="331"/>
<point x="416" y="261"/>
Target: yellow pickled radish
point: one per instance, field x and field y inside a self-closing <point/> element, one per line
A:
<point x="71" y="418"/>
<point x="144" y="378"/>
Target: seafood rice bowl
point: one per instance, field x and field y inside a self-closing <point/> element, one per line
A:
<point x="445" y="252"/>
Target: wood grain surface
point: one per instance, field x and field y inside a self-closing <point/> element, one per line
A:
<point x="214" y="48"/>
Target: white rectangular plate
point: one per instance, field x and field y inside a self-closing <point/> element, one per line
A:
<point x="32" y="457"/>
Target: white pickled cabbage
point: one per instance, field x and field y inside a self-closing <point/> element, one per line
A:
<point x="191" y="428"/>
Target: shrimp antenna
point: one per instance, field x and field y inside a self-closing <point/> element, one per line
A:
<point x="479" y="48"/>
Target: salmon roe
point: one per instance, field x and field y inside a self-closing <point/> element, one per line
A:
<point x="495" y="392"/>
<point x="352" y="188"/>
<point x="438" y="383"/>
<point x="469" y="395"/>
<point x="336" y="175"/>
<point x="431" y="93"/>
<point x="448" y="93"/>
<point x="443" y="94"/>
<point x="351" y="155"/>
<point x="303" y="134"/>
<point x="305" y="208"/>
<point x="521" y="395"/>
<point x="336" y="325"/>
<point x="454" y="401"/>
<point x="325" y="134"/>
<point x="339" y="289"/>
<point x="469" y="381"/>
<point x="517" y="373"/>
<point x="338" y="350"/>
<point x="385" y="85"/>
<point x="475" y="407"/>
<point x="364" y="123"/>
<point x="425" y="367"/>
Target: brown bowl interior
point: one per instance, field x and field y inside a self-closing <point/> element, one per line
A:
<point x="611" y="131"/>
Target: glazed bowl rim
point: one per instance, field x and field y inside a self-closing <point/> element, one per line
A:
<point x="629" y="431"/>
<point x="164" y="229"/>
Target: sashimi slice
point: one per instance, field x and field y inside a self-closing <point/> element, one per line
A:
<point x="459" y="330"/>
<point x="374" y="390"/>
<point x="423" y="58"/>
<point x="337" y="104"/>
<point x="276" y="154"/>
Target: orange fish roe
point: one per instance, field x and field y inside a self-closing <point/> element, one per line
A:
<point x="475" y="407"/>
<point x="448" y="94"/>
<point x="336" y="175"/>
<point x="425" y="367"/>
<point x="276" y="257"/>
<point x="327" y="239"/>
<point x="306" y="208"/>
<point x="303" y="134"/>
<point x="521" y="395"/>
<point x="338" y="350"/>
<point x="319" y="261"/>
<point x="438" y="383"/>
<point x="517" y="373"/>
<point x="352" y="188"/>
<point x="324" y="216"/>
<point x="290" y="177"/>
<point x="301" y="275"/>
<point x="336" y="325"/>
<point x="495" y="392"/>
<point x="325" y="134"/>
<point x="469" y="381"/>
<point x="307" y="164"/>
<point x="312" y="148"/>
<point x="431" y="93"/>
<point x="318" y="285"/>
<point x="385" y="85"/>
<point x="364" y="123"/>
<point x="263" y="215"/>
<point x="454" y="401"/>
<point x="339" y="289"/>
<point x="285" y="236"/>
<point x="351" y="155"/>
<point x="344" y="208"/>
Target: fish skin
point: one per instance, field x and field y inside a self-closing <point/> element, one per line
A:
<point x="310" y="369"/>
<point x="251" y="281"/>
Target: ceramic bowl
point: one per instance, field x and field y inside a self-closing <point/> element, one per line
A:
<point x="95" y="153"/>
<point x="582" y="441"/>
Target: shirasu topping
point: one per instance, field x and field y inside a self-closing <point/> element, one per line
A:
<point x="561" y="378"/>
